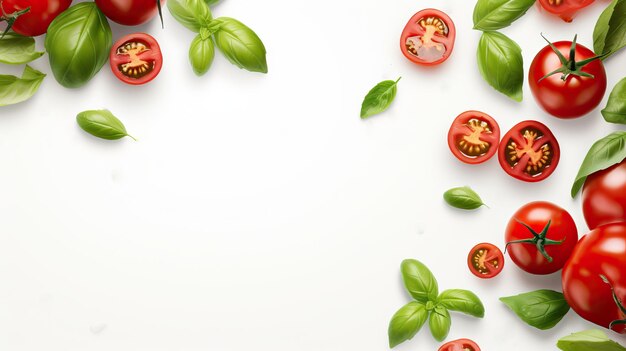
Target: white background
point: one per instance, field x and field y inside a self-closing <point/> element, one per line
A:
<point x="258" y="212"/>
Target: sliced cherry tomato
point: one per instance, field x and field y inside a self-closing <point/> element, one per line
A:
<point x="485" y="260"/>
<point x="428" y="38"/>
<point x="460" y="345"/>
<point x="130" y="12"/>
<point x="529" y="152"/>
<point x="136" y="59"/>
<point x="473" y="137"/>
<point x="566" y="9"/>
<point x="31" y="17"/>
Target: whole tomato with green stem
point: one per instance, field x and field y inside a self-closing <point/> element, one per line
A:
<point x="130" y="12"/>
<point x="31" y="17"/>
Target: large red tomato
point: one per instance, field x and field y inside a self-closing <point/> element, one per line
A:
<point x="566" y="9"/>
<point x="35" y="21"/>
<point x="604" y="196"/>
<point x="594" y="278"/>
<point x="129" y="12"/>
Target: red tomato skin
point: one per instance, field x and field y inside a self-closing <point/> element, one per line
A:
<point x="602" y="251"/>
<point x="536" y="215"/>
<point x="460" y="345"/>
<point x="604" y="196"/>
<point x="154" y="54"/>
<point x="129" y="12"/>
<point x="409" y="31"/>
<point x="36" y="21"/>
<point x="574" y="97"/>
<point x="459" y="127"/>
<point x="567" y="10"/>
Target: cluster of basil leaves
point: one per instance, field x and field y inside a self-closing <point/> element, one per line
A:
<point x="18" y="50"/>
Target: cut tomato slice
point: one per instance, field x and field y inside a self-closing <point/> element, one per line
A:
<point x="485" y="260"/>
<point x="566" y="9"/>
<point x="428" y="37"/>
<point x="136" y="59"/>
<point x="474" y="137"/>
<point x="460" y="345"/>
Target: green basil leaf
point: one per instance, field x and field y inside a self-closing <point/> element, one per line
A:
<point x="439" y="323"/>
<point x="462" y="301"/>
<point x="406" y="323"/>
<point x="463" y="197"/>
<point x="240" y="44"/>
<point x="500" y="63"/>
<point x="193" y="14"/>
<point x="615" y="110"/>
<point x="497" y="14"/>
<point x="542" y="309"/>
<point x="379" y="98"/>
<point x="419" y="281"/>
<point x="609" y="34"/>
<point x="589" y="340"/>
<point x="14" y="90"/>
<point x="603" y="154"/>
<point x="78" y="44"/>
<point x="16" y="49"/>
<point x="602" y="28"/>
<point x="201" y="52"/>
<point x="102" y="124"/>
<point x="211" y="2"/>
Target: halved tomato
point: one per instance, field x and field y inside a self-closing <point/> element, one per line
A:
<point x="485" y="260"/>
<point x="473" y="137"/>
<point x="529" y="152"/>
<point x="136" y="59"/>
<point x="428" y="38"/>
<point x="566" y="9"/>
<point x="460" y="345"/>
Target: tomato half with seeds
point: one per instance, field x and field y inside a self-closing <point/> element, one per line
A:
<point x="529" y="152"/>
<point x="485" y="260"/>
<point x="460" y="345"/>
<point x="428" y="37"/>
<point x="566" y="9"/>
<point x="473" y="137"/>
<point x="136" y="59"/>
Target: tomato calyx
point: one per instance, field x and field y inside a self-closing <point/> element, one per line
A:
<point x="617" y="300"/>
<point x="538" y="239"/>
<point x="10" y="18"/>
<point x="570" y="66"/>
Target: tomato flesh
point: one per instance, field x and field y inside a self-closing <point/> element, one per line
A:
<point x="36" y="21"/>
<point x="473" y="137"/>
<point x="485" y="260"/>
<point x="460" y="345"/>
<point x="566" y="9"/>
<point x="604" y="196"/>
<point x="428" y="37"/>
<point x="136" y="59"/>
<point x="129" y="12"/>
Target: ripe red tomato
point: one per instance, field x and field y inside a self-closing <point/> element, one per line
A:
<point x="600" y="254"/>
<point x="566" y="9"/>
<point x="460" y="345"/>
<point x="529" y="152"/>
<point x="428" y="37"/>
<point x="129" y="12"/>
<point x="473" y="137"/>
<point x="577" y="86"/>
<point x="36" y="21"/>
<point x="540" y="237"/>
<point x="136" y="59"/>
<point x="604" y="196"/>
<point x="485" y="261"/>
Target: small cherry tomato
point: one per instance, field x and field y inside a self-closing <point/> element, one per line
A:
<point x="473" y="137"/>
<point x="136" y="59"/>
<point x="485" y="260"/>
<point x="428" y="37"/>
<point x="529" y="152"/>
<point x="129" y="12"/>
<point x="604" y="196"/>
<point x="460" y="345"/>
<point x="566" y="9"/>
<point x="34" y="21"/>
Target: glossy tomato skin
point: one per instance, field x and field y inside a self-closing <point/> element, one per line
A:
<point x="566" y="9"/>
<point x="460" y="345"/>
<point x="604" y="196"/>
<point x="473" y="137"/>
<point x="136" y="59"/>
<point x="574" y="97"/>
<point x="537" y="215"/>
<point x="36" y="21"/>
<point x="601" y="252"/>
<point x="428" y="37"/>
<point x="485" y="260"/>
<point x="129" y="12"/>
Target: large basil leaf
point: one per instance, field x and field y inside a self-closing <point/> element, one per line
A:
<point x="193" y="14"/>
<point x="609" y="34"/>
<point x="462" y="301"/>
<point x="102" y="124"/>
<point x="419" y="281"/>
<point x="240" y="44"/>
<point x="379" y="98"/>
<point x="603" y="154"/>
<point x="78" y="43"/>
<point x="500" y="63"/>
<point x="542" y="309"/>
<point x="406" y="323"/>
<point x="201" y="52"/>
<point x="16" y="49"/>
<point x="589" y="340"/>
<point x="615" y="110"/>
<point x="439" y="323"/>
<point x="14" y="90"/>
<point x="497" y="14"/>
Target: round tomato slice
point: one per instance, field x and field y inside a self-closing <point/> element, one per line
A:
<point x="473" y="137"/>
<point x="566" y="9"/>
<point x="460" y="345"/>
<point x="136" y="59"/>
<point x="485" y="260"/>
<point x="428" y="38"/>
<point x="529" y="152"/>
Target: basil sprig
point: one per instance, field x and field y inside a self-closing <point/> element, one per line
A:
<point x="501" y="64"/>
<point x="615" y="110"/>
<point x="379" y="98"/>
<point x="589" y="340"/>
<point x="428" y="305"/>
<point x="603" y="154"/>
<point x="542" y="309"/>
<point x="102" y="124"/>
<point x="16" y="49"/>
<point x="609" y="34"/>
<point x="497" y="14"/>
<point x="14" y="89"/>
<point x="463" y="197"/>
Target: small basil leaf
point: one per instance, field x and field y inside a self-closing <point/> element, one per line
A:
<point x="589" y="340"/>
<point x="609" y="34"/>
<point x="102" y="124"/>
<point x="406" y="323"/>
<point x="241" y="46"/>
<point x="16" y="49"/>
<point x="419" y="281"/>
<point x="501" y="64"/>
<point x="463" y="197"/>
<point x="439" y="323"/>
<point x="603" y="154"/>
<point x="201" y="53"/>
<point x="542" y="309"/>
<point x="379" y="98"/>
<point x="497" y="14"/>
<point x="615" y="110"/>
<point x="14" y="90"/>
<point x="193" y="14"/>
<point x="462" y="301"/>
